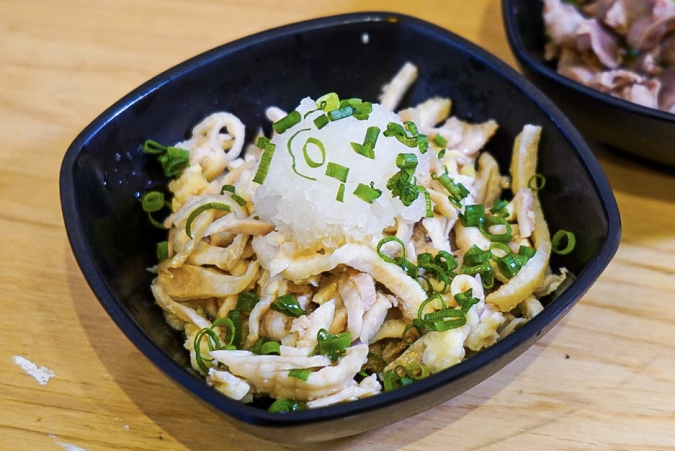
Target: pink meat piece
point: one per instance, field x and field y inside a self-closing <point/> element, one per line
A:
<point x="667" y="94"/>
<point x="593" y="37"/>
<point x="648" y="30"/>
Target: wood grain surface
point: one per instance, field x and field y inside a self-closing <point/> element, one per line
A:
<point x="603" y="379"/>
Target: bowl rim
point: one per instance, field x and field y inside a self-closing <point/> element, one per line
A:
<point x="255" y="416"/>
<point x="523" y="56"/>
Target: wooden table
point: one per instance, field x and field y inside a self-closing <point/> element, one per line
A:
<point x="604" y="378"/>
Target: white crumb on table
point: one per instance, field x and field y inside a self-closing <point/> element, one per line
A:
<point x="41" y="374"/>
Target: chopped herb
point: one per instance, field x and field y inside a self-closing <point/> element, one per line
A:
<point x="287" y="122"/>
<point x="367" y="193"/>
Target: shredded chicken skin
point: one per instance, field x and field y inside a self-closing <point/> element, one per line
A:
<point x="356" y="289"/>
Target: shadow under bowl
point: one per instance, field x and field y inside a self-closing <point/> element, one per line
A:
<point x="104" y="171"/>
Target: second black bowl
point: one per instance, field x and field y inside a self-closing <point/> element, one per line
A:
<point x="640" y="131"/>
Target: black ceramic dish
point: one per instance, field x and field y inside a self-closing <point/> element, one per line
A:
<point x="637" y="130"/>
<point x="104" y="170"/>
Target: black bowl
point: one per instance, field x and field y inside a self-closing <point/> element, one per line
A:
<point x="104" y="170"/>
<point x="644" y="132"/>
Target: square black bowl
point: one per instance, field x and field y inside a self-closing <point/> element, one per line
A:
<point x="642" y="132"/>
<point x="104" y="170"/>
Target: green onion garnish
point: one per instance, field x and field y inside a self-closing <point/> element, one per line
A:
<point x="311" y="163"/>
<point x="367" y="193"/>
<point x="172" y="159"/>
<point x="489" y="221"/>
<point x="386" y="240"/>
<point x="337" y="171"/>
<point x="321" y="121"/>
<point x="457" y="191"/>
<point x="287" y="405"/>
<point x="403" y="184"/>
<point x="536" y="182"/>
<point x="499" y="208"/>
<point x="340" y="113"/>
<point x="154" y="201"/>
<point x="300" y="373"/>
<point x="265" y="159"/>
<point x="527" y="251"/>
<point x="340" y="197"/>
<point x="333" y="346"/>
<point x="287" y="122"/>
<point x="199" y="210"/>
<point x="230" y="189"/>
<point x="328" y="102"/>
<point x="440" y="141"/>
<point x="290" y="151"/>
<point x="246" y="301"/>
<point x="162" y="251"/>
<point x="562" y="236"/>
<point x="367" y="149"/>
<point x="265" y="346"/>
<point x="429" y="213"/>
<point x="473" y="215"/>
<point x="288" y="305"/>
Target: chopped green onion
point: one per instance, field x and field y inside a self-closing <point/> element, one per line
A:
<point x="490" y="221"/>
<point x="162" y="251"/>
<point x="386" y="240"/>
<point x="440" y="141"/>
<point x="527" y="251"/>
<point x="300" y="373"/>
<point x="367" y="148"/>
<point x="328" y="102"/>
<point x="510" y="264"/>
<point x="153" y="147"/>
<point x="362" y="109"/>
<point x="447" y="261"/>
<point x="403" y="184"/>
<point x="337" y="171"/>
<point x="288" y="305"/>
<point x="265" y="346"/>
<point x="340" y="197"/>
<point x="265" y="159"/>
<point x="286" y="405"/>
<point x="475" y="256"/>
<point x="311" y="163"/>
<point x="246" y="301"/>
<point x="340" y="113"/>
<point x="290" y="151"/>
<point x="230" y="189"/>
<point x="536" y="182"/>
<point x="429" y="207"/>
<point x="287" y="122"/>
<point x="562" y="236"/>
<point x="270" y="347"/>
<point x="417" y="371"/>
<point x="457" y="191"/>
<point x="499" y="208"/>
<point x="199" y="210"/>
<point x="473" y="215"/>
<point x="367" y="193"/>
<point x="321" y="121"/>
<point x="333" y="346"/>
<point x="172" y="159"/>
<point x="465" y="300"/>
<point x="151" y="202"/>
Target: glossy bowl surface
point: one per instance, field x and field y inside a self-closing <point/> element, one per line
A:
<point x="104" y="170"/>
<point x="643" y="132"/>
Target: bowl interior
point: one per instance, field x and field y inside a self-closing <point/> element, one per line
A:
<point x="105" y="171"/>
